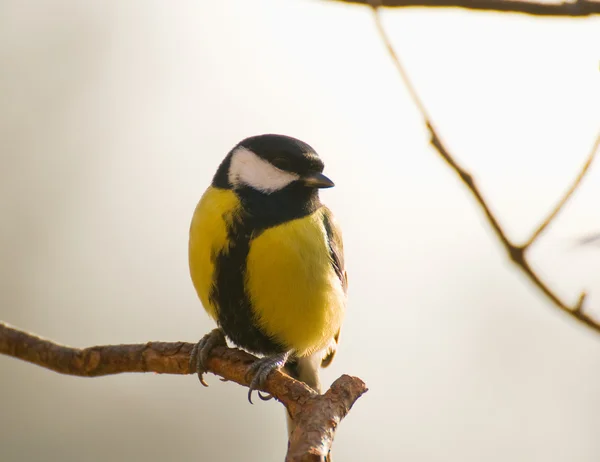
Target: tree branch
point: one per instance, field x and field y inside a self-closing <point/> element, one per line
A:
<point x="580" y="8"/>
<point x="589" y="239"/>
<point x="560" y="204"/>
<point x="316" y="416"/>
<point x="517" y="253"/>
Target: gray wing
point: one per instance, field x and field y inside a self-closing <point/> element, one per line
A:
<point x="336" y="246"/>
<point x="336" y="250"/>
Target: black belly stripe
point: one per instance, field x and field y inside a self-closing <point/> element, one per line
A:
<point x="228" y="294"/>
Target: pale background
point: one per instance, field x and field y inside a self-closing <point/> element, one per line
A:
<point x="113" y="118"/>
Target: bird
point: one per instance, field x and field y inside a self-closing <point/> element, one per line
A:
<point x="266" y="259"/>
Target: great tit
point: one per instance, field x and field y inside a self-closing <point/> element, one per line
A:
<point x="266" y="259"/>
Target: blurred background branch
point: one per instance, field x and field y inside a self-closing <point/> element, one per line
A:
<point x="590" y="239"/>
<point x="516" y="252"/>
<point x="316" y="416"/>
<point x="569" y="9"/>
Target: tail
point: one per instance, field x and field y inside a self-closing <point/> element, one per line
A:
<point x="306" y="369"/>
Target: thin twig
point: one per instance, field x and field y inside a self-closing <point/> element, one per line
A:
<point x="558" y="207"/>
<point x="580" y="8"/>
<point x="314" y="429"/>
<point x="517" y="253"/>
<point x="589" y="239"/>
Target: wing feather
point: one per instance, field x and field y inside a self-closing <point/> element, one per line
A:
<point x="336" y="250"/>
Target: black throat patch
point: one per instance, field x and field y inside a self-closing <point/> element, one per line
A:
<point x="258" y="212"/>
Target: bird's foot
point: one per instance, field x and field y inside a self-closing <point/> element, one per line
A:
<point x="201" y="351"/>
<point x="260" y="370"/>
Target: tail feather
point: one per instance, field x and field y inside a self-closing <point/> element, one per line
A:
<point x="306" y="369"/>
<point x="331" y="350"/>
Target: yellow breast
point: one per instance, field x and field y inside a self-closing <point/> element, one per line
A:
<point x="294" y="290"/>
<point x="208" y="237"/>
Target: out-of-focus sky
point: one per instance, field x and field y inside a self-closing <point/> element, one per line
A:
<point x="113" y="118"/>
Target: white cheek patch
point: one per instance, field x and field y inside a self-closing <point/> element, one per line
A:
<point x="248" y="169"/>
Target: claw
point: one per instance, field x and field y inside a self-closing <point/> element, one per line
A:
<point x="201" y="351"/>
<point x="265" y="397"/>
<point x="260" y="370"/>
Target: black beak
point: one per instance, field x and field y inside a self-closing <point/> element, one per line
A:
<point x="317" y="180"/>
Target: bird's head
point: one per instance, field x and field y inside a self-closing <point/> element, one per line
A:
<point x="268" y="164"/>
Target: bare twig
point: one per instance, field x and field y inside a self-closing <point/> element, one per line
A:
<point x="589" y="239"/>
<point x="516" y="252"/>
<point x="558" y="207"/>
<point x="316" y="416"/>
<point x="580" y="8"/>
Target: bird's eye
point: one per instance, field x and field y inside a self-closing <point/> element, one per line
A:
<point x="282" y="163"/>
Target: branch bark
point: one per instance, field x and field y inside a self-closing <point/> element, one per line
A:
<point x="516" y="252"/>
<point x="580" y="8"/>
<point x="316" y="416"/>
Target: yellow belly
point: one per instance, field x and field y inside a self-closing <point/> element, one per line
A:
<point x="294" y="290"/>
